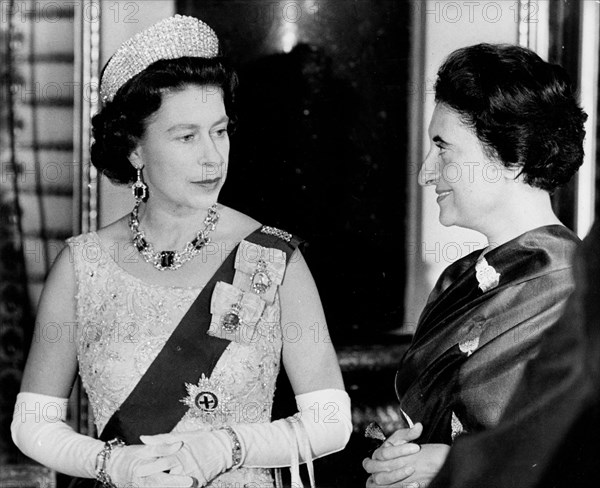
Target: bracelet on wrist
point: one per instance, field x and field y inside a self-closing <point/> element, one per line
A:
<point x="102" y="461"/>
<point x="236" y="450"/>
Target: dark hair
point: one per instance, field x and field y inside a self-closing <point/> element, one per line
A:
<point x="523" y="109"/>
<point x="118" y="127"/>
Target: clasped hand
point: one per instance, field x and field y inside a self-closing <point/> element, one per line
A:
<point x="203" y="456"/>
<point x="145" y="466"/>
<point x="401" y="463"/>
<point x="176" y="460"/>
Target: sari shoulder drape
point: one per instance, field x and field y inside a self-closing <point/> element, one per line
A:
<point x="471" y="346"/>
<point x="548" y="433"/>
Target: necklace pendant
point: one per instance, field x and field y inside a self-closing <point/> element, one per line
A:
<point x="167" y="259"/>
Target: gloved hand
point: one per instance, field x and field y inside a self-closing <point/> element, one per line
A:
<point x="204" y="455"/>
<point x="322" y="426"/>
<point x="145" y="466"/>
<point x="39" y="430"/>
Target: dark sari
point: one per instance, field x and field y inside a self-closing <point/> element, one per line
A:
<point x="471" y="346"/>
<point x="548" y="436"/>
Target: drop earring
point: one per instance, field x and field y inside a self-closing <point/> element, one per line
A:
<point x="139" y="188"/>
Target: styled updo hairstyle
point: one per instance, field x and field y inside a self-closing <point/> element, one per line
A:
<point x="523" y="109"/>
<point x="118" y="127"/>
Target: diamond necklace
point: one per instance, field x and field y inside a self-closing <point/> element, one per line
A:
<point x="163" y="260"/>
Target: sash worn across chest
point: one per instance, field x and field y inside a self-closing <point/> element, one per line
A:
<point x="154" y="407"/>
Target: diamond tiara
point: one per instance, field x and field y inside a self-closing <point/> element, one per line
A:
<point x="175" y="37"/>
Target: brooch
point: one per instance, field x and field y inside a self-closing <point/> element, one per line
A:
<point x="274" y="231"/>
<point x="260" y="281"/>
<point x="235" y="314"/>
<point x="456" y="426"/>
<point x="231" y="321"/>
<point x="259" y="270"/>
<point x="206" y="400"/>
<point x="468" y="346"/>
<point x="486" y="275"/>
<point x="375" y="432"/>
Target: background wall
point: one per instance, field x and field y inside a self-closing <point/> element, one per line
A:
<point x="321" y="144"/>
<point x="445" y="26"/>
<point x="120" y="19"/>
<point x="357" y="74"/>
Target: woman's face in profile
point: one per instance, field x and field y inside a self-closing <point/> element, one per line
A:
<point x="185" y="148"/>
<point x="469" y="184"/>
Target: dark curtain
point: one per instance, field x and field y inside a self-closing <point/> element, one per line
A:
<point x="320" y="148"/>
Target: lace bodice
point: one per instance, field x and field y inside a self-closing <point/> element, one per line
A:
<point x="124" y="322"/>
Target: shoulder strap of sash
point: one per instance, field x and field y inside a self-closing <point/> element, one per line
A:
<point x="154" y="407"/>
<point x="275" y="238"/>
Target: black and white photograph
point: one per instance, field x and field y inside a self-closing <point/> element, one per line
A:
<point x="299" y="243"/>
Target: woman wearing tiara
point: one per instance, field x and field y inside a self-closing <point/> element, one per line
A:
<point x="178" y="351"/>
<point x="506" y="131"/>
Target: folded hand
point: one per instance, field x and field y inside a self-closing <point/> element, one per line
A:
<point x="144" y="466"/>
<point x="401" y="463"/>
<point x="204" y="455"/>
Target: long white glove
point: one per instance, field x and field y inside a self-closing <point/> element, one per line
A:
<point x="39" y="430"/>
<point x="205" y="455"/>
<point x="322" y="426"/>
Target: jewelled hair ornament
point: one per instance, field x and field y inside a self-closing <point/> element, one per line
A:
<point x="175" y="37"/>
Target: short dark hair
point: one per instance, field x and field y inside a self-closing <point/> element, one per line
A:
<point x="524" y="110"/>
<point x="120" y="124"/>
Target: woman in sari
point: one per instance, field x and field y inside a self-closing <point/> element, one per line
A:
<point x="506" y="131"/>
<point x="178" y="351"/>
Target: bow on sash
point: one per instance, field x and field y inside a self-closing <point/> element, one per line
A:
<point x="154" y="407"/>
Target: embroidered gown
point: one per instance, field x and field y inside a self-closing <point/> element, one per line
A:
<point x="123" y="323"/>
<point x="472" y="343"/>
